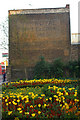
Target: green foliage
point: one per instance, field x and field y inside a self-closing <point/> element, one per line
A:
<point x="56" y="69"/>
<point x="41" y="69"/>
<point x="73" y="69"/>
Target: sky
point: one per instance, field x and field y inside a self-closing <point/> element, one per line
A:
<point x="6" y="5"/>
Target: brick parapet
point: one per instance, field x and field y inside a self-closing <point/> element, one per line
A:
<point x="75" y="51"/>
<point x="39" y="11"/>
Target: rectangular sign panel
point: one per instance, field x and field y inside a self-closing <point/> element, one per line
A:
<point x="4" y="54"/>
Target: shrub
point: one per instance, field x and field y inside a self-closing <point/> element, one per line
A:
<point x="57" y="68"/>
<point x="41" y="69"/>
<point x="73" y="69"/>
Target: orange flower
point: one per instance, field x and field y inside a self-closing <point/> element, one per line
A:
<point x="67" y="111"/>
<point x="78" y="113"/>
<point x="74" y="108"/>
<point x="20" y="105"/>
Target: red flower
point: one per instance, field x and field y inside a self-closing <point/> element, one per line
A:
<point x="36" y="111"/>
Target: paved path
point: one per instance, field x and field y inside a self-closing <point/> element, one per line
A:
<point x="1" y="80"/>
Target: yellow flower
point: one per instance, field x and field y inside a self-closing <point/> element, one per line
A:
<point x="36" y="95"/>
<point x="75" y="94"/>
<point x="3" y="92"/>
<point x="63" y="107"/>
<point x="26" y="113"/>
<point x="61" y="93"/>
<point x="27" y="101"/>
<point x="54" y="87"/>
<point x="22" y="98"/>
<point x="42" y="95"/>
<point x="13" y="96"/>
<point x="60" y="105"/>
<point x="3" y="97"/>
<point x="33" y="114"/>
<point x="44" y="105"/>
<point x="66" y="93"/>
<point x="16" y="118"/>
<point x="63" y="97"/>
<point x="76" y="100"/>
<point x="14" y="103"/>
<point x="29" y="93"/>
<point x="39" y="105"/>
<point x="63" y="101"/>
<point x="31" y="106"/>
<point x="76" y="90"/>
<point x="46" y="99"/>
<point x="18" y="100"/>
<point x="39" y="112"/>
<point x="7" y="104"/>
<point x="50" y="98"/>
<point x="67" y="106"/>
<point x="48" y="87"/>
<point x="70" y="89"/>
<point x="55" y="96"/>
<point x="63" y="88"/>
<point x="9" y="112"/>
<point x="20" y="111"/>
<point x="5" y="100"/>
<point x="14" y="99"/>
<point x="57" y="99"/>
<point x="18" y="108"/>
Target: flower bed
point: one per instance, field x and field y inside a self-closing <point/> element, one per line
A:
<point x="54" y="99"/>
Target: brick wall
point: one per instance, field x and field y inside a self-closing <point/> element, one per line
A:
<point x="33" y="35"/>
<point x="75" y="51"/>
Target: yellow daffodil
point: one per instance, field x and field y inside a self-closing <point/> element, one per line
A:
<point x="49" y="87"/>
<point x="18" y="100"/>
<point x="66" y="93"/>
<point x="7" y="104"/>
<point x="50" y="98"/>
<point x="26" y="113"/>
<point x="63" y="88"/>
<point x="55" y="96"/>
<point x="31" y="106"/>
<point x="57" y="99"/>
<point x="3" y="97"/>
<point x="33" y="114"/>
<point x="39" y="112"/>
<point x="5" y="100"/>
<point x="19" y="109"/>
<point x="70" y="89"/>
<point x="42" y="95"/>
<point x="60" y="105"/>
<point x="76" y="100"/>
<point x="44" y="105"/>
<point x="46" y="99"/>
<point x="39" y="105"/>
<point x="27" y="101"/>
<point x="9" y="112"/>
<point x="16" y="118"/>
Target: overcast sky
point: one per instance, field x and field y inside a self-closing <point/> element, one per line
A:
<point x="6" y="5"/>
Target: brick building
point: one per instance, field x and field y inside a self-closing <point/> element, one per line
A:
<point x="34" y="33"/>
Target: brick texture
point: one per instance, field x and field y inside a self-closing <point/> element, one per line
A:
<point x="34" y="35"/>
